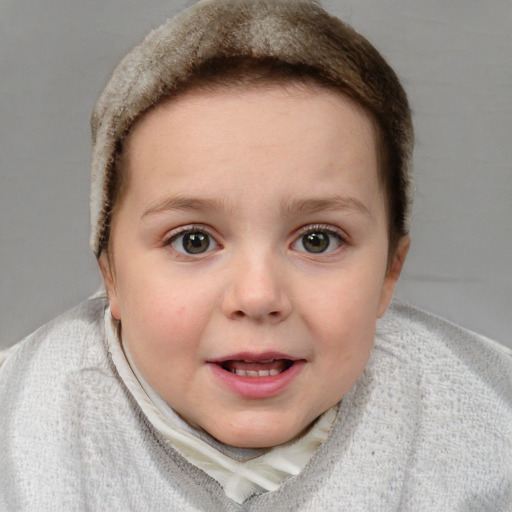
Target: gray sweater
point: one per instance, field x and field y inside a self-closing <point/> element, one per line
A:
<point x="427" y="427"/>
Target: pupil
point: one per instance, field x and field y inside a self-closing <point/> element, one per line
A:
<point x="196" y="243"/>
<point x="315" y="242"/>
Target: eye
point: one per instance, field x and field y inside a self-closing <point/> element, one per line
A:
<point x="318" y="241"/>
<point x="192" y="242"/>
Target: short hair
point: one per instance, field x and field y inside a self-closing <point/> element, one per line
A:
<point x="222" y="43"/>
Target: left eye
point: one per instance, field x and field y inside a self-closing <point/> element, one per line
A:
<point x="192" y="242"/>
<point x="318" y="242"/>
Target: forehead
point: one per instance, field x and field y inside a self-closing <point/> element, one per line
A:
<point x="223" y="110"/>
<point x="257" y="137"/>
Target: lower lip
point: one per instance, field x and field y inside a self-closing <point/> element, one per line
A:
<point x="257" y="387"/>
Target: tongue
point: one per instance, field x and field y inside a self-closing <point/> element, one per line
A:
<point x="277" y="364"/>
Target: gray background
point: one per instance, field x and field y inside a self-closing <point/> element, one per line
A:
<point x="455" y="60"/>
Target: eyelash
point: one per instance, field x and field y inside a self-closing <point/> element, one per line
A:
<point x="299" y="238"/>
<point x="320" y="228"/>
<point x="176" y="234"/>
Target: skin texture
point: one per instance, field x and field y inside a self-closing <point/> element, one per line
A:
<point x="252" y="172"/>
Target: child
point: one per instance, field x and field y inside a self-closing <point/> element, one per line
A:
<point x="250" y="205"/>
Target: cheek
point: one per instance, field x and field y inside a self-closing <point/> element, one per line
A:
<point x="341" y="313"/>
<point x="164" y="330"/>
<point x="348" y="332"/>
<point x="345" y="298"/>
<point x="164" y="315"/>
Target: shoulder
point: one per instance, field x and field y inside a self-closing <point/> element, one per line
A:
<point x="46" y="385"/>
<point x="460" y="386"/>
<point x="44" y="360"/>
<point x="458" y="371"/>
<point x="432" y="344"/>
<point x="66" y="336"/>
<point x="40" y="365"/>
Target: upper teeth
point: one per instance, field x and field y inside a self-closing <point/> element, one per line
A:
<point x="254" y="373"/>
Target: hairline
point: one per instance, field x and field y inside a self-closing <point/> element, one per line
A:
<point x="253" y="79"/>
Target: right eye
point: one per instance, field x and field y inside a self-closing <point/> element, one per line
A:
<point x="192" y="242"/>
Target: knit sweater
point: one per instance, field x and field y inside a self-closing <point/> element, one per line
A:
<point x="427" y="427"/>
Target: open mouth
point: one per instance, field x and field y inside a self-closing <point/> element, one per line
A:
<point x="257" y="376"/>
<point x="264" y="368"/>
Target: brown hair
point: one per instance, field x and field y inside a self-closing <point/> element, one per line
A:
<point x="253" y="43"/>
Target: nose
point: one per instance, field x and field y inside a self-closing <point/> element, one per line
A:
<point x="256" y="290"/>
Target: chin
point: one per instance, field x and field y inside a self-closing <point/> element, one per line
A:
<point x="257" y="434"/>
<point x="255" y="440"/>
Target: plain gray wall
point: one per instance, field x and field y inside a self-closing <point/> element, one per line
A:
<point x="455" y="60"/>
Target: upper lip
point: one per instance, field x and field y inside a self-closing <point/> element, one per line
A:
<point x="254" y="357"/>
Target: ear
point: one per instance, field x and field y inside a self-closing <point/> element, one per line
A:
<point x="110" y="284"/>
<point x="394" y="269"/>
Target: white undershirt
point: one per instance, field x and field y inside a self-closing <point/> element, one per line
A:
<point x="258" y="471"/>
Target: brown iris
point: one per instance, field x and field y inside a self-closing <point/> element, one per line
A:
<point x="196" y="242"/>
<point x="316" y="242"/>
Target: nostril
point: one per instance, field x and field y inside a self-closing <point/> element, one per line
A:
<point x="243" y="314"/>
<point x="259" y="307"/>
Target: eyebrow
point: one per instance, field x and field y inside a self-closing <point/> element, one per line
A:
<point x="288" y="207"/>
<point x="184" y="203"/>
<point x="335" y="203"/>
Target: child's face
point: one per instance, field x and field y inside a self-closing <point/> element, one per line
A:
<point x="252" y="238"/>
